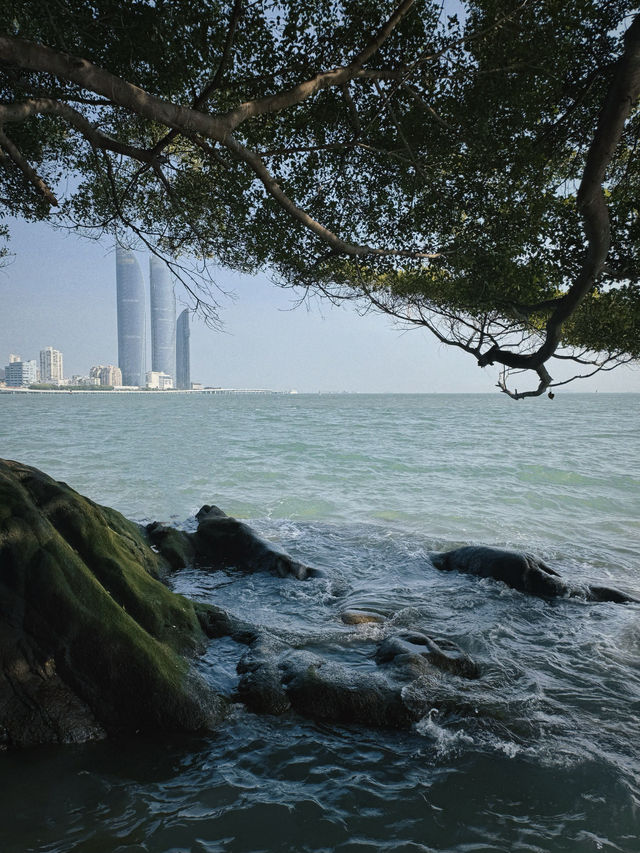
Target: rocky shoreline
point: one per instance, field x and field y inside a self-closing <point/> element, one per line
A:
<point x="94" y="643"/>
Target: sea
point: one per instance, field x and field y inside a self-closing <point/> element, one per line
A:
<point x="540" y="754"/>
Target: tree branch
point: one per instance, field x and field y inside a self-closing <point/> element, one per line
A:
<point x="622" y="95"/>
<point x="337" y="244"/>
<point x="21" y="111"/>
<point x="206" y="93"/>
<point x="545" y="382"/>
<point x="30" y="174"/>
<point x="323" y="80"/>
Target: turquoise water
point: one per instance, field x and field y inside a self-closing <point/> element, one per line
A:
<point x="540" y="754"/>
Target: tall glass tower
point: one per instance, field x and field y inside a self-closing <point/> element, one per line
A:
<point x="163" y="318"/>
<point x="131" y="339"/>
<point x="183" y="358"/>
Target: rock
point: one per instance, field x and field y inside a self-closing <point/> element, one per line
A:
<point x="606" y="593"/>
<point x="327" y="691"/>
<point x="260" y="686"/>
<point x="224" y="541"/>
<point x="416" y="654"/>
<point x="520" y="571"/>
<point x="90" y="640"/>
<point x="36" y="706"/>
<point x="275" y="678"/>
<point x="217" y="623"/>
<point x="361" y="617"/>
<point x="176" y="546"/>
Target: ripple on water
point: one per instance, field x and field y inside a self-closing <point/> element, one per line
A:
<point x="540" y="754"/>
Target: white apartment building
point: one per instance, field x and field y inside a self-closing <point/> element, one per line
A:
<point x="51" y="366"/>
<point x="159" y="380"/>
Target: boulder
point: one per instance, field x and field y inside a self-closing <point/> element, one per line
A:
<point x="275" y="677"/>
<point x="223" y="541"/>
<point x="416" y="653"/>
<point x="521" y="571"/>
<point x="261" y="687"/>
<point x="175" y="546"/>
<point x="90" y="640"/>
<point x="328" y="691"/>
<point x="361" y="617"/>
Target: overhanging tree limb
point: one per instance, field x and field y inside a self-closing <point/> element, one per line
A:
<point x="622" y="95"/>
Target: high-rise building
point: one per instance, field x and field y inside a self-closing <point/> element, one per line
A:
<point x="183" y="358"/>
<point x="51" y="366"/>
<point x="131" y="339"/>
<point x="163" y="318"/>
<point x="20" y="374"/>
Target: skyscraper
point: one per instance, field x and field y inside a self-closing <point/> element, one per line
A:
<point x="51" y="365"/>
<point x="183" y="359"/>
<point x="163" y="318"/>
<point x="131" y="340"/>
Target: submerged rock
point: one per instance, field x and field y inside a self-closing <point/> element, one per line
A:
<point x="520" y="571"/>
<point x="416" y="652"/>
<point x="224" y="541"/>
<point x="90" y="639"/>
<point x="361" y="617"/>
<point x="275" y="678"/>
<point x="328" y="691"/>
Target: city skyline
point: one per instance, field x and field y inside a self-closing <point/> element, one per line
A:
<point x="131" y="336"/>
<point x="266" y="338"/>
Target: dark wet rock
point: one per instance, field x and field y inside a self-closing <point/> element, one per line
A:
<point x="224" y="541"/>
<point x="327" y="691"/>
<point x="361" y="617"/>
<point x="274" y="678"/>
<point x="520" y="571"/>
<point x="36" y="706"/>
<point x="176" y="546"/>
<point x="417" y="653"/>
<point x="606" y="593"/>
<point x="260" y="687"/>
<point x="217" y="622"/>
<point x="90" y="639"/>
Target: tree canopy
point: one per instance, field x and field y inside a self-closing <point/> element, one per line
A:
<point x="473" y="170"/>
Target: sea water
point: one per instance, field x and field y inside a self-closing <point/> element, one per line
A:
<point x="542" y="753"/>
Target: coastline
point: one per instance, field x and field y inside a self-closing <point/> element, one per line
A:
<point x="142" y="391"/>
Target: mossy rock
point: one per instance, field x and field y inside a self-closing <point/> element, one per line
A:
<point x="175" y="546"/>
<point x="80" y="604"/>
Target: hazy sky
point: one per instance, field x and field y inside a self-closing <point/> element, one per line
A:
<point x="59" y="290"/>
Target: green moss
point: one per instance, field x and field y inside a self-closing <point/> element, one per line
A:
<point x="76" y="580"/>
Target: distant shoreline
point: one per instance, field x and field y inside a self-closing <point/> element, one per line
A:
<point x="142" y="391"/>
<point x="267" y="392"/>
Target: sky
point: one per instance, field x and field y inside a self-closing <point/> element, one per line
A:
<point x="59" y="290"/>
